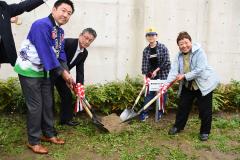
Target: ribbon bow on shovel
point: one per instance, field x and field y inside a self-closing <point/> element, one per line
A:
<point x="147" y="79"/>
<point x="82" y="103"/>
<point x="162" y="90"/>
<point x="80" y="93"/>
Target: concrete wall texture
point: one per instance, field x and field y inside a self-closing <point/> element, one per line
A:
<point x="121" y="25"/>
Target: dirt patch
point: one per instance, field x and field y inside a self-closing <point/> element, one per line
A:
<point x="216" y="155"/>
<point x="113" y="123"/>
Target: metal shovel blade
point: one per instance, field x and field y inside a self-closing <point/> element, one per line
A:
<point x="94" y="118"/>
<point x="99" y="125"/>
<point x="129" y="112"/>
<point x="126" y="114"/>
<point x="130" y="117"/>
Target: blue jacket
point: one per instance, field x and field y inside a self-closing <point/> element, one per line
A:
<point x="43" y="50"/>
<point x="201" y="72"/>
<point x="41" y="36"/>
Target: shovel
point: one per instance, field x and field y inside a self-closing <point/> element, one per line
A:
<point x="94" y="118"/>
<point x="87" y="107"/>
<point x="128" y="112"/>
<point x="134" y="114"/>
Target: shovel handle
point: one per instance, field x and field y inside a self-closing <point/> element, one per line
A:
<point x="149" y="103"/>
<point x="87" y="109"/>
<point x="139" y="95"/>
<point x="86" y="102"/>
<point x="156" y="97"/>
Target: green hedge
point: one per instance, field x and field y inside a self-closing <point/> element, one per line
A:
<point x="227" y="97"/>
<point x="117" y="95"/>
<point x="11" y="98"/>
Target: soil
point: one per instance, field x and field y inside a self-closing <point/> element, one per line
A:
<point x="113" y="123"/>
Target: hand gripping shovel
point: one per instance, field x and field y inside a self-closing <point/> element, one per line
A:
<point x="93" y="116"/>
<point x="148" y="104"/>
<point x="129" y="112"/>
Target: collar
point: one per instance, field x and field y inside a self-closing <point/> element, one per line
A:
<point x="155" y="46"/>
<point x="54" y="23"/>
<point x="79" y="49"/>
<point x="57" y="24"/>
<point x="195" y="47"/>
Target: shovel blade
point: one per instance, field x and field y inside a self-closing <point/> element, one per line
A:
<point x="124" y="115"/>
<point x="131" y="116"/>
<point x="127" y="113"/>
<point x="99" y="125"/>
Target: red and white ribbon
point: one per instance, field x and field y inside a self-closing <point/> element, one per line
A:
<point x="147" y="82"/>
<point x="162" y="91"/>
<point x="80" y="94"/>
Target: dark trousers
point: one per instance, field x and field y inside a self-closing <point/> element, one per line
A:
<point x="66" y="108"/>
<point x="39" y="100"/>
<point x="204" y="105"/>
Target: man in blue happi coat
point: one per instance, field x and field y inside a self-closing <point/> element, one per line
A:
<point x="41" y="60"/>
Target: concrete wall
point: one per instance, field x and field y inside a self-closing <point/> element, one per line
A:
<point x="120" y="24"/>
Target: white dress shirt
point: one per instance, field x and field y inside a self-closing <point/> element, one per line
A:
<point x="78" y="51"/>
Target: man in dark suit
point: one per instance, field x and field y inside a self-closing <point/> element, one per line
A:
<point x="7" y="47"/>
<point x="76" y="54"/>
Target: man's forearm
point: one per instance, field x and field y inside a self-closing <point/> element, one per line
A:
<point x="28" y="5"/>
<point x="34" y="4"/>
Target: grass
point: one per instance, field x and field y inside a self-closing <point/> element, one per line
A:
<point x="143" y="141"/>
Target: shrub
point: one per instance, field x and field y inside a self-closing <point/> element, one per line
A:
<point x="114" y="96"/>
<point x="218" y="101"/>
<point x="11" y="98"/>
<point x="227" y="97"/>
<point x="234" y="93"/>
<point x="172" y="99"/>
<point x="117" y="95"/>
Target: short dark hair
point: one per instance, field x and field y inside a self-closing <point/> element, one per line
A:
<point x="183" y="35"/>
<point x="59" y="2"/>
<point x="91" y="31"/>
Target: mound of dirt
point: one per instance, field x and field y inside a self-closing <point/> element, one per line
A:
<point x="113" y="123"/>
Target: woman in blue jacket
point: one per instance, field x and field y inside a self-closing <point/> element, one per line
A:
<point x="197" y="80"/>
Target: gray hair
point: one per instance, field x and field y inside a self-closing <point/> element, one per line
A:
<point x="90" y="31"/>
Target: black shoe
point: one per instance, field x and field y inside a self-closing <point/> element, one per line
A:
<point x="173" y="131"/>
<point x="70" y="123"/>
<point x="203" y="137"/>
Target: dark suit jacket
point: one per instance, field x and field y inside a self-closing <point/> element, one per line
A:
<point x="8" y="52"/>
<point x="70" y="47"/>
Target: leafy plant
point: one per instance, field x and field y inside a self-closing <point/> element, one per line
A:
<point x="11" y="98"/>
<point x="172" y="99"/>
<point x="230" y="95"/>
<point x="117" y="95"/>
<point x="234" y="93"/>
<point x="114" y="96"/>
<point x="218" y="101"/>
